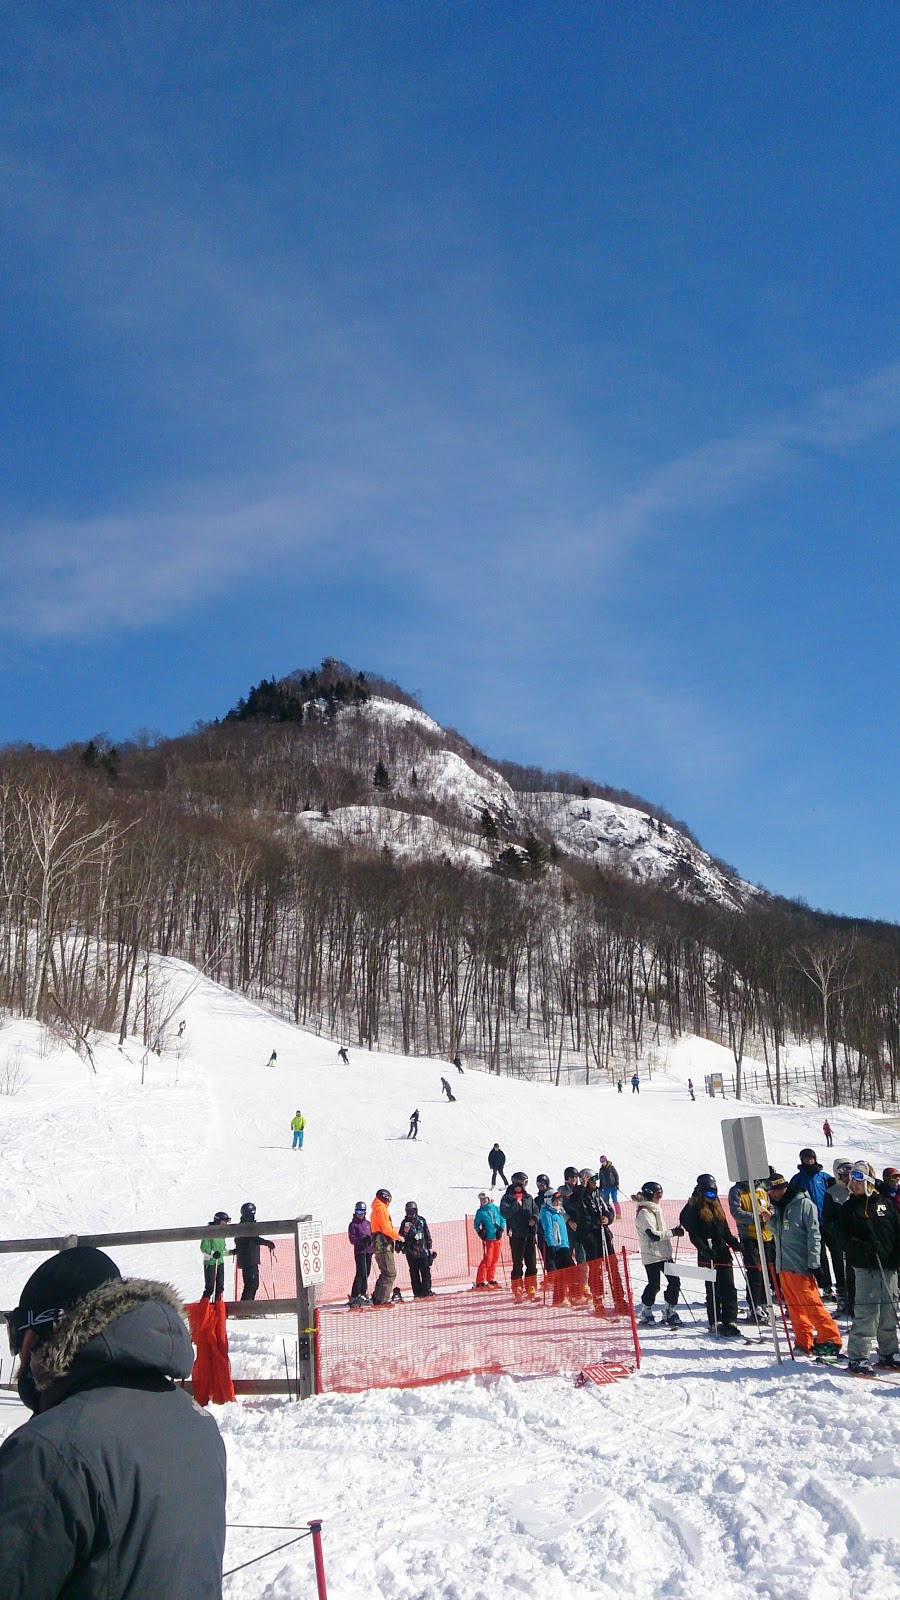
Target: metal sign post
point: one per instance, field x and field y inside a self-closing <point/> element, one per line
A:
<point x="745" y="1156"/>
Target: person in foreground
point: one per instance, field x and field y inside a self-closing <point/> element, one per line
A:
<point x="115" y="1487"/>
<point x="795" y="1225"/>
<point x="868" y="1228"/>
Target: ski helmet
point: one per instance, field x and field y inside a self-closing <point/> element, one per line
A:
<point x="248" y="1211"/>
<point x="518" y="1180"/>
<point x="221" y="1216"/>
<point x="649" y="1189"/>
<point x="706" y="1183"/>
<point x="410" y="1208"/>
<point x="543" y="1179"/>
<point x="383" y="1194"/>
<point x="359" y="1210"/>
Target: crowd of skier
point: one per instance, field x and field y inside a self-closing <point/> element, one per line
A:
<point x="827" y="1239"/>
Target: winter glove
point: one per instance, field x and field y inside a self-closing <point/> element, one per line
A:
<point x="432" y="1256"/>
<point x="271" y="1249"/>
<point x="217" y="1255"/>
<point x="677" y="1233"/>
<point x="399" y="1246"/>
<point x="654" y="1236"/>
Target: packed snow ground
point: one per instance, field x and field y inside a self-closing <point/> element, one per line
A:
<point x="712" y="1468"/>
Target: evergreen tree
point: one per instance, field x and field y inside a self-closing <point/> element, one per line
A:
<point x="380" y="776"/>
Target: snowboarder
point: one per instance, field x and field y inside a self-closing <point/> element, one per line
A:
<point x="298" y="1123"/>
<point x="635" y="1083"/>
<point x="795" y="1224"/>
<point x="214" y="1252"/>
<point x="344" y="1056"/>
<point x="517" y="1207"/>
<point x="706" y="1225"/>
<point x="247" y="1251"/>
<point x="359" y="1233"/>
<point x="385" y="1240"/>
<point x="869" y="1229"/>
<point x="272" y="1059"/>
<point x="497" y="1163"/>
<point x="413" y="1126"/>
<point x="457" y="1063"/>
<point x="417" y="1247"/>
<point x="490" y="1227"/>
<point x="656" y="1250"/>
<point x="447" y="1089"/>
<point x="608" y="1179"/>
<point x="828" y="1132"/>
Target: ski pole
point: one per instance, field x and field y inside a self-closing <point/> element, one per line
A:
<point x="778" y="1296"/>
<point x="744" y="1274"/>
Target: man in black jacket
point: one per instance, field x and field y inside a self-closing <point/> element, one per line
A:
<point x="247" y="1253"/>
<point x="497" y="1164"/>
<point x="517" y="1208"/>
<point x="868" y="1228"/>
<point x="116" y="1485"/>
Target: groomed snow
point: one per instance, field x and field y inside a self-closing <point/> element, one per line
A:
<point x="712" y="1469"/>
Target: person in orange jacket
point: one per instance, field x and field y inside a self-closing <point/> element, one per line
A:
<point x="386" y="1241"/>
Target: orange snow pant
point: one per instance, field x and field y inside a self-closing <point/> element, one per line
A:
<point x="487" y="1266"/>
<point x="811" y="1323"/>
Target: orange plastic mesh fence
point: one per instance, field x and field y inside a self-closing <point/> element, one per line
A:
<point x="458" y="1250"/>
<point x="571" y="1319"/>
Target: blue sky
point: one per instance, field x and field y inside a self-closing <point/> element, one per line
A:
<point x="543" y="357"/>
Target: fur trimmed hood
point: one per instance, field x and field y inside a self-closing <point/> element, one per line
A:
<point x="128" y="1322"/>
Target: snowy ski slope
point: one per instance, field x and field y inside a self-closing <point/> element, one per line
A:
<point x="711" y="1468"/>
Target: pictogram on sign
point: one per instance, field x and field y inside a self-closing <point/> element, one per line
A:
<point x="312" y="1254"/>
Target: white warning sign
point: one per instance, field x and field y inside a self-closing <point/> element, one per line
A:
<point x="312" y="1254"/>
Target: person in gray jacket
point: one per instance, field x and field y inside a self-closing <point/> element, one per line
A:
<point x="116" y="1485"/>
<point x="795" y="1225"/>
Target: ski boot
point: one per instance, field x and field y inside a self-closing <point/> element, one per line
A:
<point x="892" y="1362"/>
<point x="861" y="1368"/>
<point x="828" y="1351"/>
<point x="729" y="1330"/>
<point x="397" y="1296"/>
<point x="671" y="1317"/>
<point x="646" y="1319"/>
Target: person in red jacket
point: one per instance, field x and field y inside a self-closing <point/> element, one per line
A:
<point x="385" y="1240"/>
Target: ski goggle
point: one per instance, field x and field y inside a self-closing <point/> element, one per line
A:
<point x="18" y="1322"/>
<point x="711" y="1194"/>
<point x="861" y="1177"/>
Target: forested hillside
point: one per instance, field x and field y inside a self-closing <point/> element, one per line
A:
<point x="330" y="849"/>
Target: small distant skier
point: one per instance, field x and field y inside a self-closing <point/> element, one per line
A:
<point x="497" y="1163"/>
<point x="181" y="1027"/>
<point x="247" y="1253"/>
<point x="213" y="1251"/>
<point x="635" y="1083"/>
<point x="691" y="1090"/>
<point x="447" y="1089"/>
<point x="360" y="1235"/>
<point x="457" y="1063"/>
<point x="344" y="1056"/>
<point x="618" y="1086"/>
<point x="298" y="1123"/>
<point x="416" y="1236"/>
<point x="828" y="1131"/>
<point x="272" y="1059"/>
<point x="413" y="1126"/>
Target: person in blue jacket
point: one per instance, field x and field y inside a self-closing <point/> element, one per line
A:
<point x="490" y="1227"/>
<point x="811" y="1179"/>
<point x="559" y="1251"/>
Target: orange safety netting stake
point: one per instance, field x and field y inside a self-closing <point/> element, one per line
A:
<point x="211" y="1376"/>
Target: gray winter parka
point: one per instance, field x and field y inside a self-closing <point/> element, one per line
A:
<point x="115" y="1489"/>
<point x="797" y="1239"/>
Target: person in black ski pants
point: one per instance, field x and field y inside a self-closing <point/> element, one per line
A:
<point x="497" y="1164"/>
<point x="247" y="1252"/>
<point x="706" y="1225"/>
<point x="416" y="1236"/>
<point x="517" y="1208"/>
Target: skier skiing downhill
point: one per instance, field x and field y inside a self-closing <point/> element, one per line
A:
<point x="868" y="1226"/>
<point x="795" y="1224"/>
<point x="706" y="1226"/>
<point x="497" y="1164"/>
<point x="413" y="1126"/>
<point x="298" y="1123"/>
<point x="656" y="1250"/>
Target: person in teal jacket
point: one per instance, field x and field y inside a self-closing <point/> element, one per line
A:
<point x="559" y="1251"/>
<point x="490" y="1227"/>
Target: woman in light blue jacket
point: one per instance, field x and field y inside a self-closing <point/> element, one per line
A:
<point x="559" y="1251"/>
